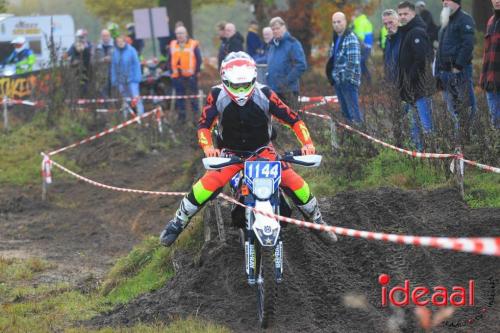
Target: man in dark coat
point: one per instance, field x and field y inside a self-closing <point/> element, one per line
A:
<point x="234" y="40"/>
<point x="390" y="20"/>
<point x="454" y="66"/>
<point x="414" y="71"/>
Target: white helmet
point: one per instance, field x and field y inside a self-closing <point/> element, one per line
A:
<point x="238" y="73"/>
<point x="18" y="40"/>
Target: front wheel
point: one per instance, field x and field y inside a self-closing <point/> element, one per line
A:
<point x="267" y="286"/>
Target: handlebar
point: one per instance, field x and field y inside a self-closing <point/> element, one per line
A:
<point x="294" y="157"/>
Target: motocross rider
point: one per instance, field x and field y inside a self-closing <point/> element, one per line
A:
<point x="243" y="110"/>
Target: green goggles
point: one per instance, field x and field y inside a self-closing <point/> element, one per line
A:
<point x="238" y="86"/>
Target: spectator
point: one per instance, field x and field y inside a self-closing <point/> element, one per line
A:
<point x="221" y="32"/>
<point x="363" y="29"/>
<point x="138" y="44"/>
<point x="80" y="54"/>
<point x="414" y="67"/>
<point x="254" y="44"/>
<point x="390" y="20"/>
<point x="103" y="54"/>
<point x="22" y="56"/>
<point x="126" y="72"/>
<point x="286" y="62"/>
<point x="431" y="28"/>
<point x="454" y="66"/>
<point x="234" y="40"/>
<point x="185" y="64"/>
<point x="343" y="69"/>
<point x="267" y="34"/>
<point x="490" y="75"/>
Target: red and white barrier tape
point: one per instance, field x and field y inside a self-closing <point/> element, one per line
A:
<point x="113" y="188"/>
<point x="108" y="131"/>
<point x="404" y="151"/>
<point x="483" y="245"/>
<point x="478" y="245"/>
<point x="11" y="101"/>
<point x="481" y="166"/>
<point x="146" y="97"/>
<point x="401" y="150"/>
<point x="305" y="99"/>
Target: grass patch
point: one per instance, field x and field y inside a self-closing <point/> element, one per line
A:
<point x="20" y="149"/>
<point x="148" y="266"/>
<point x="388" y="168"/>
<point x="482" y="189"/>
<point x="47" y="308"/>
<point x="188" y="325"/>
<point x="17" y="269"/>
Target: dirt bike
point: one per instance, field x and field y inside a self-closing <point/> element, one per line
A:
<point x="154" y="81"/>
<point x="258" y="187"/>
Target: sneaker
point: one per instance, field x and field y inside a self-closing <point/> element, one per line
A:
<point x="171" y="232"/>
<point x="327" y="237"/>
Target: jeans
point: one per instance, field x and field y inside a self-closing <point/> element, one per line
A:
<point x="365" y="54"/>
<point x="458" y="93"/>
<point x="186" y="86"/>
<point x="494" y="106"/>
<point x="347" y="94"/>
<point x="423" y="106"/>
<point x="131" y="90"/>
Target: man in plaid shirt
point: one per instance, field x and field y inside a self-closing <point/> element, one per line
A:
<point x="343" y="69"/>
<point x="490" y="75"/>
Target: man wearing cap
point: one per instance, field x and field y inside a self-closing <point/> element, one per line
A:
<point x="22" y="56"/>
<point x="453" y="66"/>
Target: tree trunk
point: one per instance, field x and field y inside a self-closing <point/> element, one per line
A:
<point x="179" y="11"/>
<point x="299" y="22"/>
<point x="481" y="11"/>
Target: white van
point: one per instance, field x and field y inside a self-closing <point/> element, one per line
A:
<point x="37" y="31"/>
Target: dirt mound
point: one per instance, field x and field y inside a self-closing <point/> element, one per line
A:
<point x="335" y="289"/>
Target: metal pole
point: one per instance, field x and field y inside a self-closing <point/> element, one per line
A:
<point x="334" y="139"/>
<point x="172" y="101"/>
<point x="5" y="114"/>
<point x="201" y="100"/>
<point x="151" y="26"/>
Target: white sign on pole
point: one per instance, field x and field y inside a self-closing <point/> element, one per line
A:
<point x="152" y="24"/>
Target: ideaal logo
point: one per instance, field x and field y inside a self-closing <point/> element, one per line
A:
<point x="458" y="296"/>
<point x="439" y="295"/>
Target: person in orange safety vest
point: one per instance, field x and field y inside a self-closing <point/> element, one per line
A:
<point x="185" y="65"/>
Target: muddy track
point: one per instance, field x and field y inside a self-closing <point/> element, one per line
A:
<point x="83" y="229"/>
<point x="335" y="289"/>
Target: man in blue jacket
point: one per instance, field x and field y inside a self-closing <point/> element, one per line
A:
<point x="286" y="62"/>
<point x="126" y="72"/>
<point x="454" y="66"/>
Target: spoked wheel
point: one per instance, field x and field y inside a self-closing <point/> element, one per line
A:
<point x="267" y="287"/>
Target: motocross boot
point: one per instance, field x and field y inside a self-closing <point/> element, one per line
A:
<point x="311" y="212"/>
<point x="175" y="226"/>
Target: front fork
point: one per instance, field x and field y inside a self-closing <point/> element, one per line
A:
<point x="251" y="253"/>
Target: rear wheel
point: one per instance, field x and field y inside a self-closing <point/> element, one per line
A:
<point x="267" y="287"/>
